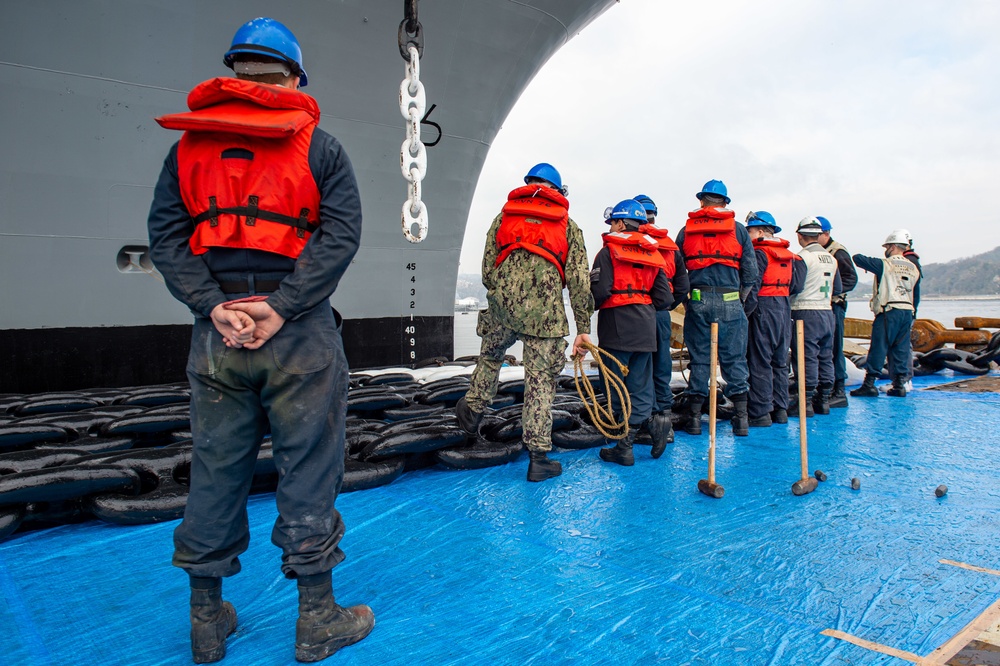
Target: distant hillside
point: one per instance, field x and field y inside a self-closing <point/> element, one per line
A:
<point x="978" y="275"/>
<point x="470" y="285"/>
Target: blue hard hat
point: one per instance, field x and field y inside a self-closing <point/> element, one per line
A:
<point x="761" y="218"/>
<point x="630" y="209"/>
<point x="546" y="172"/>
<point x="716" y="187"/>
<point x="824" y="223"/>
<point x="266" y="36"/>
<point x="646" y="202"/>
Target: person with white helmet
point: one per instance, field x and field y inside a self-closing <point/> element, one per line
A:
<point x="255" y="219"/>
<point x="782" y="275"/>
<point x="629" y="284"/>
<point x="534" y="250"/>
<point x="812" y="306"/>
<point x="722" y="268"/>
<point x="663" y="363"/>
<point x="893" y="302"/>
<point x="848" y="280"/>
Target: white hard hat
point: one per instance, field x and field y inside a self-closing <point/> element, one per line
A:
<point x="899" y="237"/>
<point x="809" y="226"/>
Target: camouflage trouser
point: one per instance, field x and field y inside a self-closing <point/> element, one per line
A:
<point x="544" y="359"/>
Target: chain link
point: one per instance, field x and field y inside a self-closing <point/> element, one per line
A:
<point x="413" y="153"/>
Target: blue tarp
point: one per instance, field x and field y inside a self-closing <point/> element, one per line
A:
<point x="604" y="564"/>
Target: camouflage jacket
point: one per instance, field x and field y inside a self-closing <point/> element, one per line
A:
<point x="524" y="293"/>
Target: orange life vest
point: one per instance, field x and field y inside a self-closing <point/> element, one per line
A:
<point x="243" y="166"/>
<point x="535" y="219"/>
<point x="777" y="276"/>
<point x="667" y="247"/>
<point x="710" y="238"/>
<point x="635" y="259"/>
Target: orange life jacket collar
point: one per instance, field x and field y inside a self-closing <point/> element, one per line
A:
<point x="666" y="245"/>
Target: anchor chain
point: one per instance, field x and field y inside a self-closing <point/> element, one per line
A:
<point x="412" y="105"/>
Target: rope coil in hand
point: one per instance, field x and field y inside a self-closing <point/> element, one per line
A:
<point x="602" y="416"/>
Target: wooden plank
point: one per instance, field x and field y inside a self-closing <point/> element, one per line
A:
<point x="969" y="633"/>
<point x="970" y="567"/>
<point x="874" y="647"/>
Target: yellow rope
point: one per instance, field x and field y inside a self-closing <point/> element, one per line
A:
<point x="603" y="416"/>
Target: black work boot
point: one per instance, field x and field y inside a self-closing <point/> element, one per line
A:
<point x="740" y="421"/>
<point x="838" y="397"/>
<point x="779" y="416"/>
<point x="324" y="627"/>
<point x="621" y="452"/>
<point x="468" y="420"/>
<point x="693" y="426"/>
<point x="867" y="389"/>
<point x="212" y="620"/>
<point x="898" y="389"/>
<point x="821" y="399"/>
<point x="761" y="421"/>
<point x="661" y="429"/>
<point x="793" y="404"/>
<point x="541" y="468"/>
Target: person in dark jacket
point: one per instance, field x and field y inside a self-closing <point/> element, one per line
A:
<point x="253" y="232"/>
<point x="894" y="300"/>
<point x="848" y="280"/>
<point x="660" y="423"/>
<point x="782" y="274"/>
<point x="629" y="285"/>
<point x="722" y="269"/>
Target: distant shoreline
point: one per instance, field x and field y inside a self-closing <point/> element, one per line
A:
<point x="981" y="297"/>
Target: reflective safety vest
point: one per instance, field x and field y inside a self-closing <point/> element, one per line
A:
<point x="833" y="247"/>
<point x="635" y="260"/>
<point x="821" y="268"/>
<point x="535" y="218"/>
<point x="895" y="290"/>
<point x="710" y="238"/>
<point x="777" y="276"/>
<point x="667" y="247"/>
<point x="243" y="166"/>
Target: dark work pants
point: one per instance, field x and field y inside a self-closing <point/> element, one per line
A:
<point x="663" y="365"/>
<point x="638" y="382"/>
<point x="767" y="355"/>
<point x="296" y="387"/>
<point x="818" y="340"/>
<point x="839" y="361"/>
<point x="891" y="335"/>
<point x="732" y="321"/>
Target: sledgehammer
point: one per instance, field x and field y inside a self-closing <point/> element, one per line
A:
<point x="807" y="483"/>
<point x="709" y="486"/>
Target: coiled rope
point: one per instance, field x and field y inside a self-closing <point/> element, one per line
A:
<point x="602" y="416"/>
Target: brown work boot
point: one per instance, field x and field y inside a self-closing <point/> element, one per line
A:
<point x="323" y="626"/>
<point x="212" y="620"/>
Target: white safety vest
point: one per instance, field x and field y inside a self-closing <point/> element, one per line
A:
<point x="895" y="290"/>
<point x="820" y="269"/>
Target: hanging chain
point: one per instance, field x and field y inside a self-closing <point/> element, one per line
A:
<point x="412" y="104"/>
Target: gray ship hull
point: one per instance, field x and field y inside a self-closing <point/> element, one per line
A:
<point x="81" y="306"/>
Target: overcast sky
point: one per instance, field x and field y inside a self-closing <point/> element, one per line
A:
<point x="876" y="114"/>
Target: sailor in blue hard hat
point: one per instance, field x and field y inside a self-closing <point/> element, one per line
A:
<point x="848" y="280"/>
<point x="660" y="423"/>
<point x="629" y="284"/>
<point x="252" y="233"/>
<point x="812" y="306"/>
<point x="722" y="268"/>
<point x="782" y="274"/>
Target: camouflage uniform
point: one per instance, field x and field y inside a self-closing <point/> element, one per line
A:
<point x="524" y="295"/>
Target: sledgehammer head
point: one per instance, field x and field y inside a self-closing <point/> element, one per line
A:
<point x="805" y="486"/>
<point x="711" y="489"/>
